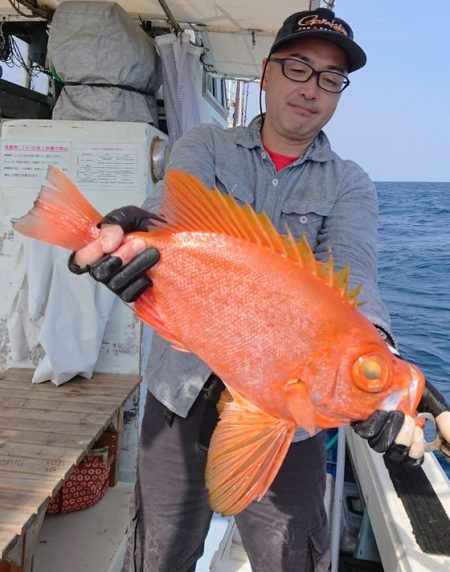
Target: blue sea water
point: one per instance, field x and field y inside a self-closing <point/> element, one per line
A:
<point x="414" y="274"/>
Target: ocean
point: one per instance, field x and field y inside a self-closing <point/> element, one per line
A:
<point x="414" y="275"/>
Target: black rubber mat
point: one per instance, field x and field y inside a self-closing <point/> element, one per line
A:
<point x="429" y="521"/>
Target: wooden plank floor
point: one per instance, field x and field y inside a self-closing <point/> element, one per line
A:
<point x="45" y="430"/>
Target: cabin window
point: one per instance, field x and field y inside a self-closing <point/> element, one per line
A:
<point x="17" y="68"/>
<point x="215" y="92"/>
<point x="12" y="71"/>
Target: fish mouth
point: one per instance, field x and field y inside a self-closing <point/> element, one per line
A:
<point x="416" y="385"/>
<point x="406" y="398"/>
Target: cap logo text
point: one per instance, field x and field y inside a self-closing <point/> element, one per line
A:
<point x="321" y="23"/>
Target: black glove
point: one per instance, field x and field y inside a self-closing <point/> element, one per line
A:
<point x="131" y="219"/>
<point x="382" y="427"/>
<point x="131" y="280"/>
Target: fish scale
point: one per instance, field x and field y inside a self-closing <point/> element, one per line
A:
<point x="235" y="343"/>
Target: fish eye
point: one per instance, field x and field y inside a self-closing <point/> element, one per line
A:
<point x="370" y="372"/>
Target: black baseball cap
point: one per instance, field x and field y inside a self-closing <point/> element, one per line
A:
<point x="321" y="23"/>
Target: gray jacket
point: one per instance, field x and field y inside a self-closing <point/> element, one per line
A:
<point x="330" y="200"/>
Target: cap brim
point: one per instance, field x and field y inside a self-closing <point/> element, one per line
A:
<point x="356" y="56"/>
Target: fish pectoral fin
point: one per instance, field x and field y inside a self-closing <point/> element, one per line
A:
<point x="301" y="406"/>
<point x="225" y="398"/>
<point x="146" y="310"/>
<point x="246" y="451"/>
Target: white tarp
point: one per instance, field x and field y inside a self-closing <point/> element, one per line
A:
<point x="55" y="316"/>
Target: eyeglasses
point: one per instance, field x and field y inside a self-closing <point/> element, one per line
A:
<point x="297" y="70"/>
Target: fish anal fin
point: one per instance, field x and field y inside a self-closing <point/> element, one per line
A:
<point x="246" y="451"/>
<point x="146" y="310"/>
<point x="301" y="406"/>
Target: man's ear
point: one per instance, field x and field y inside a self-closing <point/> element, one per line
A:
<point x="264" y="74"/>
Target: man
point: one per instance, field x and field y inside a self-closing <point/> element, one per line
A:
<point x="281" y="164"/>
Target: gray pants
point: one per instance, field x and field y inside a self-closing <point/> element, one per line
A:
<point x="286" y="531"/>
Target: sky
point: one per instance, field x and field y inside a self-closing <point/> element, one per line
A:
<point x="394" y="118"/>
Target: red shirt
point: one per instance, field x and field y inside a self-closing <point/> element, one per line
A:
<point x="280" y="161"/>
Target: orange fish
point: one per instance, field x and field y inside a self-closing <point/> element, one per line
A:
<point x="278" y="327"/>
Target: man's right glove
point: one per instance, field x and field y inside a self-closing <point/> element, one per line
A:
<point x="128" y="281"/>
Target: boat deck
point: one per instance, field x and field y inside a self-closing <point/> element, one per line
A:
<point x="94" y="540"/>
<point x="403" y="538"/>
<point x="45" y="431"/>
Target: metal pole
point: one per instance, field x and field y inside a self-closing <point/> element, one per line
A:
<point x="167" y="11"/>
<point x="337" y="504"/>
<point x="237" y="104"/>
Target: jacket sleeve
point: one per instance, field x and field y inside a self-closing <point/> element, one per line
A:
<point x="350" y="232"/>
<point x="193" y="153"/>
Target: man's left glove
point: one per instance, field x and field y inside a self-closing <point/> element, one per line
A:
<point x="382" y="427"/>
<point x="128" y="281"/>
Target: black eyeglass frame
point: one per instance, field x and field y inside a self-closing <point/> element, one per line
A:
<point x="314" y="72"/>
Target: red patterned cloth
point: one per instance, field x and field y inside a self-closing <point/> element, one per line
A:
<point x="85" y="486"/>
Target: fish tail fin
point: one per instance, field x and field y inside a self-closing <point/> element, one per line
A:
<point x="246" y="451"/>
<point x="61" y="215"/>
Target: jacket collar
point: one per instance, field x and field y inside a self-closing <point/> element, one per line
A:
<point x="250" y="138"/>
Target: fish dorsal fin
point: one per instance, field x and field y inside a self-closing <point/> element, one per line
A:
<point x="302" y="253"/>
<point x="189" y="205"/>
<point x="246" y="451"/>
